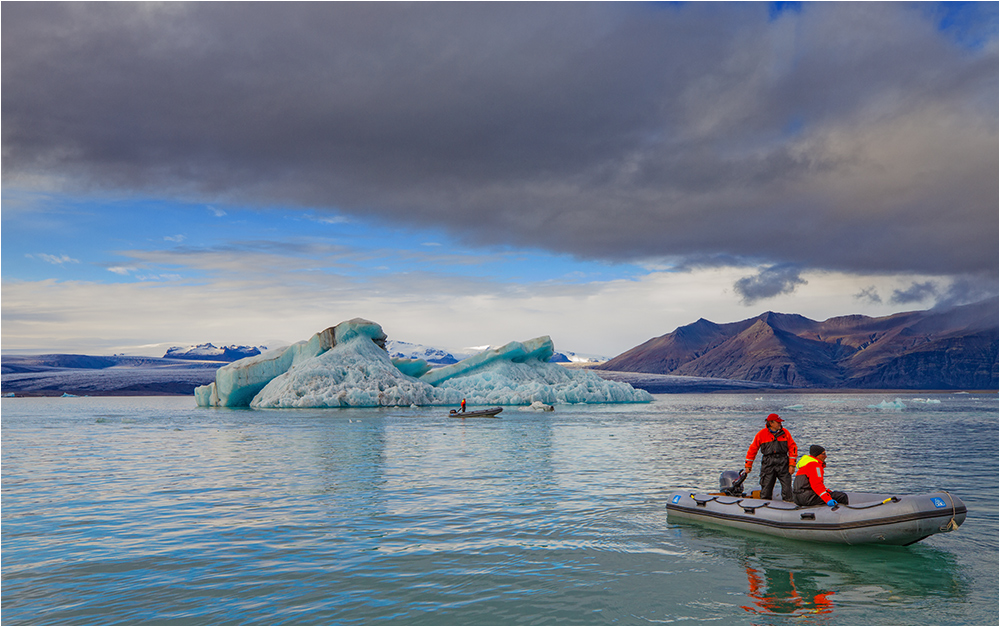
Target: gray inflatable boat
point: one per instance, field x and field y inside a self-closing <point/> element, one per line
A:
<point x="869" y="519"/>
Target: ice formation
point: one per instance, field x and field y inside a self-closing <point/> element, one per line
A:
<point x="348" y="366"/>
<point x="896" y="405"/>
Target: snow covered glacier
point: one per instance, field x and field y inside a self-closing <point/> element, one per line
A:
<point x="348" y="366"/>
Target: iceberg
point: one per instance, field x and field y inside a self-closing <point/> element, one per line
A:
<point x="349" y="366"/>
<point x="896" y="405"/>
<point x="538" y="349"/>
<point x="236" y="384"/>
<point x="355" y="373"/>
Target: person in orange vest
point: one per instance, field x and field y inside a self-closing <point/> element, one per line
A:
<point x="463" y="405"/>
<point x="809" y="490"/>
<point x="777" y="457"/>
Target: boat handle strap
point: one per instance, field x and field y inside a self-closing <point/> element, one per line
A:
<point x="951" y="525"/>
<point x="891" y="499"/>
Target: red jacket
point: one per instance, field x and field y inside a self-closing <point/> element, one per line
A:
<point x="812" y="469"/>
<point x="771" y="445"/>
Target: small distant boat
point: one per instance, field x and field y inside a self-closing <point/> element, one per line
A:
<point x="478" y="413"/>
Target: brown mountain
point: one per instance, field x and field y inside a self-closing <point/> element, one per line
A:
<point x="952" y="348"/>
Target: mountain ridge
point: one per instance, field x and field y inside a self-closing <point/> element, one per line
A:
<point x="948" y="348"/>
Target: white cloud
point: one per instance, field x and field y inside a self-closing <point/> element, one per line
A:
<point x="606" y="317"/>
<point x="57" y="260"/>
<point x="329" y="219"/>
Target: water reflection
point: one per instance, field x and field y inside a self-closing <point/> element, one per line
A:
<point x="790" y="578"/>
<point x="776" y="591"/>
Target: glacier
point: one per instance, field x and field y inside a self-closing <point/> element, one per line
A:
<point x="212" y="352"/>
<point x="348" y="366"/>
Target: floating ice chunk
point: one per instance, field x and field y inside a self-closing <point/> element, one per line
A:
<point x="538" y="349"/>
<point x="540" y="406"/>
<point x="237" y="383"/>
<point x="411" y="367"/>
<point x="502" y="382"/>
<point x="896" y="405"/>
<point x="348" y="366"/>
<point x="359" y="327"/>
<point x="355" y="373"/>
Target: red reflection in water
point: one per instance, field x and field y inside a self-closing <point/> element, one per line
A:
<point x="776" y="593"/>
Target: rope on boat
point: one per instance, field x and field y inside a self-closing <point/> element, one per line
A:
<point x="891" y="499"/>
<point x="951" y="525"/>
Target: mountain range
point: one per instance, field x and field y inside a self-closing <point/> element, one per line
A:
<point x="944" y="349"/>
<point x="947" y="348"/>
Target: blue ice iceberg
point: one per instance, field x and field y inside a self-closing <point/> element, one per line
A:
<point x="348" y="366"/>
<point x="896" y="405"/>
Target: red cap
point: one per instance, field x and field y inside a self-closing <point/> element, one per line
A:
<point x="774" y="417"/>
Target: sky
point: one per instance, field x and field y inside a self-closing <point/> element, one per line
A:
<point x="475" y="173"/>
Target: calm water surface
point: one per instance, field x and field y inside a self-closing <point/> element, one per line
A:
<point x="153" y="511"/>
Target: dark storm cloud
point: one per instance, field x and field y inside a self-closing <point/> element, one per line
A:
<point x="859" y="137"/>
<point x="869" y="295"/>
<point x="915" y="293"/>
<point x="768" y="283"/>
<point x="960" y="291"/>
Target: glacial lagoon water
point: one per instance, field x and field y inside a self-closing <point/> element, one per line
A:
<point x="153" y="511"/>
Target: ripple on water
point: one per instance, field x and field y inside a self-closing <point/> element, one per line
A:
<point x="400" y="516"/>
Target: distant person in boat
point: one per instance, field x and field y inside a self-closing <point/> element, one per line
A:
<point x="463" y="405"/>
<point x="809" y="490"/>
<point x="777" y="457"/>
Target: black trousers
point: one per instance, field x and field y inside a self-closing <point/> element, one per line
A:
<point x="769" y="475"/>
<point x="811" y="499"/>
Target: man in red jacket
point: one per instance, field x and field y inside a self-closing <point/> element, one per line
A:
<point x="778" y="453"/>
<point x="809" y="490"/>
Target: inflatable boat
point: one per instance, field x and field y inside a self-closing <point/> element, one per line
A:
<point x="477" y="413"/>
<point x="869" y="519"/>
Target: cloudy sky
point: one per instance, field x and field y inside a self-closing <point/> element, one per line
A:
<point x="469" y="174"/>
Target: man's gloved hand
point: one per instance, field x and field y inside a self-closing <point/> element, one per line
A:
<point x="747" y="468"/>
<point x="831" y="503"/>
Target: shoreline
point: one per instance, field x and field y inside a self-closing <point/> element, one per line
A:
<point x="160" y="393"/>
<point x="170" y="378"/>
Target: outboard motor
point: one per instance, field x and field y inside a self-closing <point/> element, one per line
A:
<point x="731" y="482"/>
